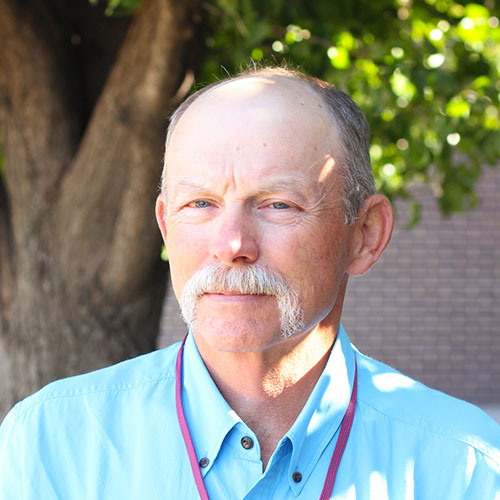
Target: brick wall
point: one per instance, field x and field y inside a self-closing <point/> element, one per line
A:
<point x="431" y="306"/>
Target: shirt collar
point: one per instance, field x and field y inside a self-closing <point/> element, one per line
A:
<point x="322" y="415"/>
<point x="209" y="416"/>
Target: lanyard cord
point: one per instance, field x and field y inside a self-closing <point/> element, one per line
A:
<point x="184" y="426"/>
<point x="345" y="429"/>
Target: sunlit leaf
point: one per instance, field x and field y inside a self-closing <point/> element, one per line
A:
<point x="458" y="107"/>
<point x="402" y="86"/>
<point x="415" y="213"/>
<point x="481" y="82"/>
<point x="163" y="254"/>
<point x="346" y="40"/>
<point x="339" y="57"/>
<point x="257" y="54"/>
<point x="477" y="12"/>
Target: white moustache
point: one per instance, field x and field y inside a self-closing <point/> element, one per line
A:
<point x="254" y="280"/>
<point x="251" y="279"/>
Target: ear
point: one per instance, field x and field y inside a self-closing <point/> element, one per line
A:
<point x="160" y="210"/>
<point x="372" y="232"/>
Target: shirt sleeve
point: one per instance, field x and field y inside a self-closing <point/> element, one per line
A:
<point x="23" y="471"/>
<point x="11" y="450"/>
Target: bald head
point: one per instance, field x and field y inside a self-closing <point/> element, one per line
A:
<point x="316" y="113"/>
<point x="259" y="97"/>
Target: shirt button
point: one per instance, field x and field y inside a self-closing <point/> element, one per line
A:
<point x="204" y="462"/>
<point x="246" y="442"/>
<point x="297" y="477"/>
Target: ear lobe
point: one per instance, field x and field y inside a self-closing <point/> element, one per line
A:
<point x="372" y="232"/>
<point x="160" y="210"/>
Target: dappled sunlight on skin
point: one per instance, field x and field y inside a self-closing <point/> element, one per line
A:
<point x="388" y="382"/>
<point x="235" y="244"/>
<point x="329" y="181"/>
<point x="288" y="372"/>
<point x="327" y="169"/>
<point x="241" y="89"/>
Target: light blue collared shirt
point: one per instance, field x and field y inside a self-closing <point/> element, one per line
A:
<point x="113" y="434"/>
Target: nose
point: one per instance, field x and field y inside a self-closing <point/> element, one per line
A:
<point x="235" y="239"/>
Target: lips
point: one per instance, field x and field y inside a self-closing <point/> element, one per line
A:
<point x="233" y="296"/>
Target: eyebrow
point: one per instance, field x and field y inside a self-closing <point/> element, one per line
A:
<point x="295" y="185"/>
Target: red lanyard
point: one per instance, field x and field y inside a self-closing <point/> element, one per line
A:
<point x="345" y="429"/>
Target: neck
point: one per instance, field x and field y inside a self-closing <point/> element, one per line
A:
<point x="269" y="388"/>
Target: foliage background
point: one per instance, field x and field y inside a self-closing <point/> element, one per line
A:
<point x="425" y="73"/>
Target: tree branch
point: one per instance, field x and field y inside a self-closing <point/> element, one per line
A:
<point x="40" y="131"/>
<point x="6" y="259"/>
<point x="108" y="194"/>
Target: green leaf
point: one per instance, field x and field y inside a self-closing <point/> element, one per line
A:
<point x="339" y="57"/>
<point x="402" y="85"/>
<point x="257" y="54"/>
<point x="458" y="107"/>
<point x="415" y="214"/>
<point x="476" y="11"/>
<point x="346" y="40"/>
<point x="163" y="254"/>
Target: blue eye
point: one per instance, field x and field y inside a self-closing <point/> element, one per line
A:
<point x="279" y="205"/>
<point x="202" y="204"/>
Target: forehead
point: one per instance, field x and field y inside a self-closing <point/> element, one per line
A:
<point x="257" y="120"/>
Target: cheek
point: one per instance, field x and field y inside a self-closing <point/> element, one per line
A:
<point x="185" y="241"/>
<point x="319" y="249"/>
<point x="185" y="250"/>
<point x="314" y="262"/>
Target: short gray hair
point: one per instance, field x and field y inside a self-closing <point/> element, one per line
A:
<point x="348" y="120"/>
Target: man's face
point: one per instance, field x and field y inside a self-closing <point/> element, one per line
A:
<point x="252" y="181"/>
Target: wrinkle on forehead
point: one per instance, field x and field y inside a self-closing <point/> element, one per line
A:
<point x="296" y="185"/>
<point x="255" y="117"/>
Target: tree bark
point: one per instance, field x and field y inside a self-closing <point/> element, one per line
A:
<point x="81" y="282"/>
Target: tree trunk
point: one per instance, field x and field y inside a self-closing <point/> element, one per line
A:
<point x="81" y="281"/>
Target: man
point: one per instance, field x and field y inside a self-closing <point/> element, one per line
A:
<point x="267" y="206"/>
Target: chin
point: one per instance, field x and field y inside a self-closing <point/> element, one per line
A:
<point x="239" y="336"/>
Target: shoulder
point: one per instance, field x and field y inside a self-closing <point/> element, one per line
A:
<point x="107" y="420"/>
<point x="401" y="399"/>
<point x="128" y="377"/>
